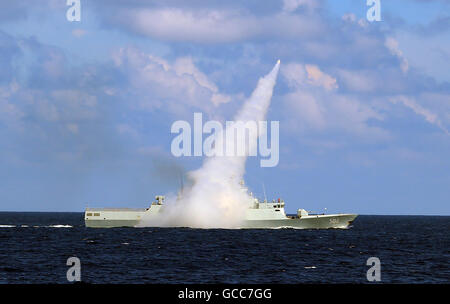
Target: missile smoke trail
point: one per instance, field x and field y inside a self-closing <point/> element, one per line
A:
<point x="216" y="198"/>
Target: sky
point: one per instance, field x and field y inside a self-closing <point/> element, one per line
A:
<point x="86" y="106"/>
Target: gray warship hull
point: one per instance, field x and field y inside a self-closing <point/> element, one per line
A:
<point x="323" y="221"/>
<point x="311" y="222"/>
<point x="111" y="223"/>
<point x="113" y="217"/>
<point x="260" y="215"/>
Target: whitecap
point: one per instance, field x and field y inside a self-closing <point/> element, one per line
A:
<point x="60" y="226"/>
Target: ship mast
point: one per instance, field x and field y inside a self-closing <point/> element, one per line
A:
<point x="264" y="190"/>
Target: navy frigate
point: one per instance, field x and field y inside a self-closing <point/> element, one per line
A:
<point x="259" y="215"/>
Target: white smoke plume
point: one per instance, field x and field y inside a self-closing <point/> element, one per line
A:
<point x="216" y="198"/>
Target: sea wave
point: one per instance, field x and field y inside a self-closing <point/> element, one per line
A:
<point x="35" y="226"/>
<point x="60" y="226"/>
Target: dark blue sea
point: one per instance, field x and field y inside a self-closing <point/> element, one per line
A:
<point x="34" y="248"/>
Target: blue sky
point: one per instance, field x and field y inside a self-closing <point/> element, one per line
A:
<point x="364" y="108"/>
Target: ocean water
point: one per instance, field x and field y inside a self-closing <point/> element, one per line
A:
<point x="34" y="248"/>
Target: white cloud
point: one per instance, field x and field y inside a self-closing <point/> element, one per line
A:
<point x="170" y="85"/>
<point x="298" y="74"/>
<point x="126" y="129"/>
<point x="358" y="81"/>
<point x="185" y="66"/>
<point x="349" y="17"/>
<point x="319" y="78"/>
<point x="78" y="33"/>
<point x="307" y="111"/>
<point x="22" y="107"/>
<point x="429" y="53"/>
<point x="352" y="115"/>
<point x="216" y="26"/>
<point x="292" y="5"/>
<point x="53" y="65"/>
<point x="9" y="112"/>
<point x="438" y="102"/>
<point x="314" y="104"/>
<point x="429" y="116"/>
<point x="325" y="111"/>
<point x="72" y="127"/>
<point x="68" y="105"/>
<point x="393" y="47"/>
<point x="294" y="74"/>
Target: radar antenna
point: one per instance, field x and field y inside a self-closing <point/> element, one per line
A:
<point x="264" y="190"/>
